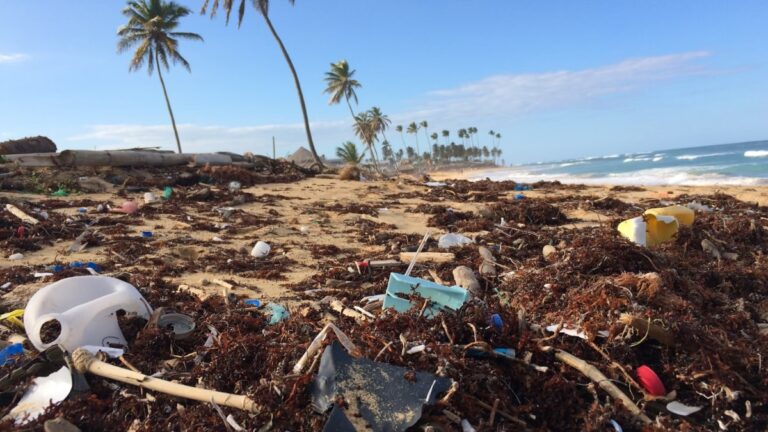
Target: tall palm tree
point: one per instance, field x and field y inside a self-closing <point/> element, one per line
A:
<point x="498" y="141"/>
<point x="462" y="133"/>
<point x="446" y="133"/>
<point x="434" y="137"/>
<point x="151" y="25"/>
<point x="340" y="84"/>
<point x="424" y="125"/>
<point x="386" y="151"/>
<point x="263" y="7"/>
<point x="493" y="135"/>
<point x="380" y="121"/>
<point x="413" y="128"/>
<point x="399" y="129"/>
<point x="349" y="153"/>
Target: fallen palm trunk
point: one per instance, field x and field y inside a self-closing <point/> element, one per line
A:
<point x="117" y="158"/>
<point x="601" y="380"/>
<point x="86" y="362"/>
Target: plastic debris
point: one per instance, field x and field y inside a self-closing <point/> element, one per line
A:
<point x="378" y="394"/>
<point x="83" y="308"/>
<point x="181" y="325"/>
<point x="16" y="257"/>
<point x="447" y="241"/>
<point x="650" y="381"/>
<point x="61" y="192"/>
<point x="129" y="207"/>
<point x="43" y="392"/>
<point x="260" y="250"/>
<point x="252" y="302"/>
<point x="681" y="409"/>
<point x="167" y="193"/>
<point x="111" y="352"/>
<point x="440" y="296"/>
<point x="496" y="322"/>
<point x="9" y="353"/>
<point x="277" y="313"/>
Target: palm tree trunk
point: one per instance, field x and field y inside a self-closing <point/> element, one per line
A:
<point x="298" y="88"/>
<point x="167" y="101"/>
<point x="351" y="111"/>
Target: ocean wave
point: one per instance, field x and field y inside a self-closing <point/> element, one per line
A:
<point x="694" y="157"/>
<point x="756" y="153"/>
<point x="637" y="159"/>
<point x="657" y="158"/>
<point x="647" y="177"/>
<point x="567" y="164"/>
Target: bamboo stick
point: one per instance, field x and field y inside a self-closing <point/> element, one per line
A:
<point x="86" y="362"/>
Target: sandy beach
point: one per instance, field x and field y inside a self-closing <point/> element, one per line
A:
<point x="197" y="261"/>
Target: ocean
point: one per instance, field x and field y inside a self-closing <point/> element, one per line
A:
<point x="725" y="164"/>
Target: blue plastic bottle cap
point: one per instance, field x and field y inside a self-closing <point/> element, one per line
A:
<point x="519" y="196"/>
<point x="146" y="233"/>
<point x="76" y="264"/>
<point x="82" y="210"/>
<point x="94" y="266"/>
<point x="497" y="322"/>
<point x="253" y="302"/>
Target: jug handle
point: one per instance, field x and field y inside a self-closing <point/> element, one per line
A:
<point x="39" y="326"/>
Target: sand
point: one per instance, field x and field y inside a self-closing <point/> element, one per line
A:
<point x="302" y="208"/>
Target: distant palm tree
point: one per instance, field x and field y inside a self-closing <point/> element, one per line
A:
<point x="151" y="25"/>
<point x="366" y="131"/>
<point x="263" y="7"/>
<point x="386" y="151"/>
<point x="411" y="153"/>
<point x="340" y="84"/>
<point x="462" y="133"/>
<point x="424" y="125"/>
<point x="498" y="141"/>
<point x="492" y="134"/>
<point x="349" y="153"/>
<point x="399" y="155"/>
<point x="399" y="128"/>
<point x="413" y="128"/>
<point x="446" y="134"/>
<point x="434" y="137"/>
<point x="486" y="152"/>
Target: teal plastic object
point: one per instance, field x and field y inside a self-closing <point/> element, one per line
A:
<point x="279" y="313"/>
<point x="440" y="296"/>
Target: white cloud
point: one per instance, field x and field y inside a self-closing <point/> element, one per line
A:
<point x="202" y="138"/>
<point x="497" y="98"/>
<point x="12" y="58"/>
<point x="502" y="96"/>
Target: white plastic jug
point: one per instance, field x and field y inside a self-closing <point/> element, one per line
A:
<point x="86" y="308"/>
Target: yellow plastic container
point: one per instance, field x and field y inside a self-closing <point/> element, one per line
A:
<point x="649" y="229"/>
<point x="684" y="215"/>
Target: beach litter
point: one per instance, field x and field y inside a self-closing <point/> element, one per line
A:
<point x="381" y="396"/>
<point x="436" y="297"/>
<point x="447" y="241"/>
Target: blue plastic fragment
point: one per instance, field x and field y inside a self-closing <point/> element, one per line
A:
<point x="496" y="322"/>
<point x="505" y="352"/>
<point x="7" y="353"/>
<point x="440" y="296"/>
<point x="519" y="196"/>
<point x="253" y="302"/>
<point x="522" y="187"/>
<point x="95" y="267"/>
<point x="279" y="313"/>
<point x="146" y="233"/>
<point x="76" y="264"/>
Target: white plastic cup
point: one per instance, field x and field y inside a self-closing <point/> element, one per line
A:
<point x="261" y="250"/>
<point x="149" y="198"/>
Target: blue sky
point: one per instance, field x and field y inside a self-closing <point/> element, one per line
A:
<point x="558" y="79"/>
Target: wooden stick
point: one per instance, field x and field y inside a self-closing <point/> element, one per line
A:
<point x="318" y="341"/>
<point x="416" y="255"/>
<point x="601" y="380"/>
<point x="504" y="414"/>
<point x="21" y="215"/>
<point x="86" y="362"/>
<point x="435" y="257"/>
<point x="339" y="307"/>
<point x="652" y="330"/>
<point x="492" y="418"/>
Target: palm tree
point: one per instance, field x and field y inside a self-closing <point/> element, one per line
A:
<point x="413" y="128"/>
<point x="498" y="141"/>
<point x="486" y="152"/>
<point x="410" y="152"/>
<point x="434" y="137"/>
<point x="399" y="128"/>
<point x="151" y="25"/>
<point x="462" y="133"/>
<point x="365" y="130"/>
<point x="492" y="134"/>
<point x="424" y="125"/>
<point x="340" y="84"/>
<point x="349" y="153"/>
<point x="386" y="151"/>
<point x="263" y="7"/>
<point x="380" y="121"/>
<point x="446" y="134"/>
